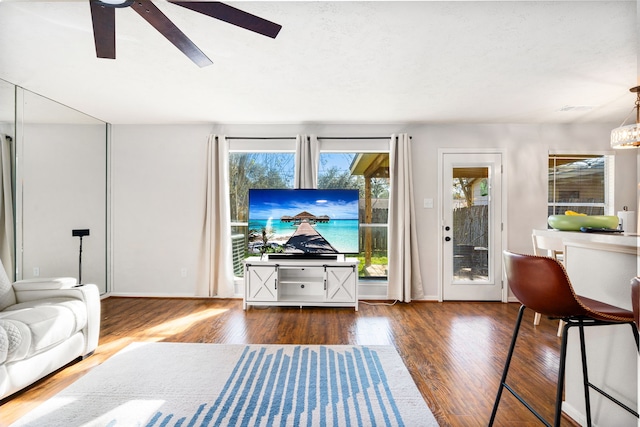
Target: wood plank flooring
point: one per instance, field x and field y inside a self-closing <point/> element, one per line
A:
<point x="454" y="351"/>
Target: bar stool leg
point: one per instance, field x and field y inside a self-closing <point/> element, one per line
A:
<point x="506" y="365"/>
<point x="536" y="319"/>
<point x="585" y="375"/>
<point x="561" y="372"/>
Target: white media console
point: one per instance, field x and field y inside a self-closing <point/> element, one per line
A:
<point x="301" y="282"/>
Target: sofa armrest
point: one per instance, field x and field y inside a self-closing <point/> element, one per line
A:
<point x="87" y="293"/>
<point x="31" y="291"/>
<point x="91" y="297"/>
<point x="45" y="284"/>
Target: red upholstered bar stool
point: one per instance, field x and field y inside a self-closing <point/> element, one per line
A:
<point x="542" y="285"/>
<point x="635" y="300"/>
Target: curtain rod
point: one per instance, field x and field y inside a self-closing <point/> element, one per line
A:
<point x="357" y="137"/>
<point x="320" y="137"/>
<point x="354" y="137"/>
<point x="261" y="137"/>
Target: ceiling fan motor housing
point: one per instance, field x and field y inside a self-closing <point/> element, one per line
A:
<point x="115" y="3"/>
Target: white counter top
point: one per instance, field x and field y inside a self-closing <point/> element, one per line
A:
<point x="630" y="241"/>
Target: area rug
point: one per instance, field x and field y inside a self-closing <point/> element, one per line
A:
<point x="180" y="385"/>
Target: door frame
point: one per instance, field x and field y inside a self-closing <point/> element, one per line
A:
<point x="441" y="195"/>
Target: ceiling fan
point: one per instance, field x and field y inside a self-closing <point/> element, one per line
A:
<point x="104" y="24"/>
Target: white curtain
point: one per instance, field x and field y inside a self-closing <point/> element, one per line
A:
<point x="218" y="218"/>
<point x="405" y="280"/>
<point x="6" y="207"/>
<point x="307" y="155"/>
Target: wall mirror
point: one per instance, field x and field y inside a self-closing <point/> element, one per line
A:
<point x="60" y="186"/>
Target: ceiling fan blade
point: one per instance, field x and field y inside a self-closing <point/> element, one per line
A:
<point x="160" y="22"/>
<point x="233" y="16"/>
<point x="104" y="30"/>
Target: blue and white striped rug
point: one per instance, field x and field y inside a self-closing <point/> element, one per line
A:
<point x="180" y="385"/>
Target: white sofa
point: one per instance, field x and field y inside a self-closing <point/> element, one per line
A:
<point x="44" y="325"/>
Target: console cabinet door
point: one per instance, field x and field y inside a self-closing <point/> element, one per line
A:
<point x="261" y="283"/>
<point x="341" y="284"/>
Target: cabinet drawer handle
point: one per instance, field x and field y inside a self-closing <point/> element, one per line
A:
<point x="275" y="283"/>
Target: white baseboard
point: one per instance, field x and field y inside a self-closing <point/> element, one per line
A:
<point x="574" y="414"/>
<point x="149" y="295"/>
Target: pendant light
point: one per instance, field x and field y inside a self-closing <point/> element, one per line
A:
<point x="628" y="136"/>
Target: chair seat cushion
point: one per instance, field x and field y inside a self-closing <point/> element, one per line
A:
<point x="603" y="311"/>
<point x="34" y="326"/>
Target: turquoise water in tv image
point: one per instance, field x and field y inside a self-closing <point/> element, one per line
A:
<point x="342" y="234"/>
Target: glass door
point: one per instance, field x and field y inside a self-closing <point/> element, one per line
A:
<point x="472" y="227"/>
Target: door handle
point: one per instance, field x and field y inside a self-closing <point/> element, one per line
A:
<point x="447" y="239"/>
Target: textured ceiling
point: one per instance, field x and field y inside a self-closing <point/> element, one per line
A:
<point x="337" y="62"/>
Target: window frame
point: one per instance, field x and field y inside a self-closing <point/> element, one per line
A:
<point x="329" y="145"/>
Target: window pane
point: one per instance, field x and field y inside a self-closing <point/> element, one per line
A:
<point x="256" y="170"/>
<point x="253" y="170"/>
<point x="577" y="183"/>
<point x="334" y="171"/>
<point x="369" y="173"/>
<point x="471" y="224"/>
<point x="589" y="210"/>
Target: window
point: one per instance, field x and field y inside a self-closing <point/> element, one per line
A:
<point x="368" y="172"/>
<point x="253" y="170"/>
<point x="342" y="164"/>
<point x="581" y="183"/>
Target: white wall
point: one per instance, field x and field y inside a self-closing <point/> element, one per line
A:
<point x="158" y="209"/>
<point x="159" y="175"/>
<point x="526" y="150"/>
<point x="525" y="185"/>
<point x="7" y="128"/>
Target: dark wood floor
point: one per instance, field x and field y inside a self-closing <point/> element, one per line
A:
<point x="454" y="351"/>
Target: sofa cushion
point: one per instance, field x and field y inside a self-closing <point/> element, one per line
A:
<point x="18" y="339"/>
<point x="7" y="295"/>
<point x="4" y="344"/>
<point x="34" y="326"/>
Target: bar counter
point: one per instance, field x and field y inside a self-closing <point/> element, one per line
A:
<point x="601" y="266"/>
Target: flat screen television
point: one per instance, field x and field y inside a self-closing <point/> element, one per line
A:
<point x="303" y="222"/>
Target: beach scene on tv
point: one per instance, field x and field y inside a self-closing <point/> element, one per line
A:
<point x="303" y="221"/>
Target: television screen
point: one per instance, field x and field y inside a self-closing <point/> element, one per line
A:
<point x="303" y="221"/>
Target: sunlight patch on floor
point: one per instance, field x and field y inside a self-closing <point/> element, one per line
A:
<point x="472" y="340"/>
<point x="181" y="324"/>
<point x="373" y="331"/>
<point x="146" y="406"/>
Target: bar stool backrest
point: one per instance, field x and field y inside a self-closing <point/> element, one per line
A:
<point x="541" y="284"/>
<point x="552" y="247"/>
<point x="635" y="300"/>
